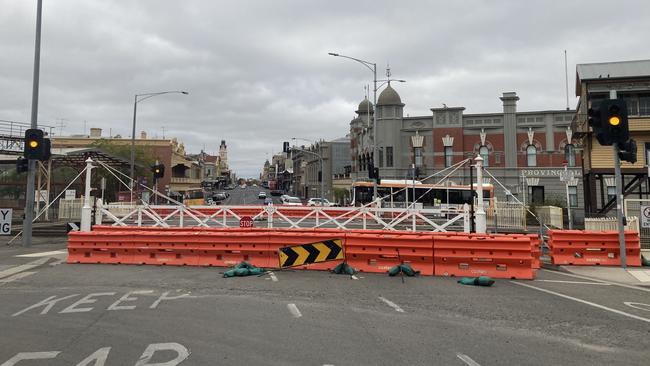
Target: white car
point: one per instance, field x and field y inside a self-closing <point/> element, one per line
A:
<point x="291" y="201"/>
<point x="261" y="195"/>
<point x="319" y="202"/>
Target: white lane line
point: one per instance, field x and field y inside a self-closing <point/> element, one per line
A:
<point x="294" y="310"/>
<point x="576" y="282"/>
<point x="391" y="304"/>
<point x="354" y="277"/>
<point x="584" y="302"/>
<point x="23" y="267"/>
<point x="15" y="277"/>
<point x="42" y="254"/>
<point x="601" y="281"/>
<point x="273" y="277"/>
<point x="468" y="360"/>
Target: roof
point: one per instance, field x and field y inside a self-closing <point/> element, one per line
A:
<point x="389" y="97"/>
<point x="365" y="106"/>
<point x="611" y="70"/>
<point x="341" y="139"/>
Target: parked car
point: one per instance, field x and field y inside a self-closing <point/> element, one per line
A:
<point x="276" y="192"/>
<point x="219" y="197"/>
<point x="261" y="195"/>
<point x="268" y="201"/>
<point x="319" y="202"/>
<point x="291" y="201"/>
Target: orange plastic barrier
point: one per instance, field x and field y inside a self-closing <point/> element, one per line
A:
<point x="378" y="251"/>
<point x="581" y="247"/>
<point x="498" y="256"/>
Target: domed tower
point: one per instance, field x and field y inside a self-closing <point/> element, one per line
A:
<point x="365" y="111"/>
<point x="223" y="154"/>
<point x="389" y="104"/>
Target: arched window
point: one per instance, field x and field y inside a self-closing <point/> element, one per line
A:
<point x="531" y="154"/>
<point x="417" y="152"/>
<point x="570" y="154"/>
<point x="485" y="154"/>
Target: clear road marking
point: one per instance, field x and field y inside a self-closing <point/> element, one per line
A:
<point x="638" y="305"/>
<point x="468" y="360"/>
<point x="42" y="254"/>
<point x="15" y="277"/>
<point x="273" y="277"/>
<point x="601" y="281"/>
<point x="23" y="267"/>
<point x="354" y="277"/>
<point x="294" y="310"/>
<point x="576" y="282"/>
<point x="584" y="302"/>
<point x="391" y="304"/>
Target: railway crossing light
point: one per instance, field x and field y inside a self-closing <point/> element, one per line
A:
<point x="158" y="171"/>
<point x="609" y="122"/>
<point x="34" y="145"/>
<point x="22" y="165"/>
<point x="627" y="151"/>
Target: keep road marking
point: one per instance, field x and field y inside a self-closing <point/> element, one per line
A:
<point x="391" y="304"/>
<point x="294" y="310"/>
<point x="42" y="254"/>
<point x="584" y="302"/>
<point x="468" y="360"/>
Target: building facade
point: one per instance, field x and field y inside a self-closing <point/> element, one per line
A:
<point x="523" y="151"/>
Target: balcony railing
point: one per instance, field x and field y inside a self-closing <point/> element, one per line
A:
<point x="186" y="180"/>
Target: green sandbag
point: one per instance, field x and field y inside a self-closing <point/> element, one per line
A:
<point x="476" y="281"/>
<point x="244" y="264"/>
<point x="344" y="268"/>
<point x="229" y="273"/>
<point x="394" y="271"/>
<point x="240" y="272"/>
<point x="408" y="270"/>
<point x="349" y="269"/>
<point x="256" y="271"/>
<point x="645" y="262"/>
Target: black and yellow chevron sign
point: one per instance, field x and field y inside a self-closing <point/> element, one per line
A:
<point x="322" y="251"/>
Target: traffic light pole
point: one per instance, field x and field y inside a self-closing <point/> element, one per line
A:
<point x="619" y="197"/>
<point x="29" y="191"/>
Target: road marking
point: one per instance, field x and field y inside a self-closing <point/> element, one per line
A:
<point x="576" y="282"/>
<point x="584" y="302"/>
<point x="165" y="297"/>
<point x="30" y="356"/>
<point x="273" y="277"/>
<point x="641" y="275"/>
<point x="638" y="305"/>
<point x="391" y="304"/>
<point x="468" y="360"/>
<point x="42" y="254"/>
<point x="17" y="276"/>
<point x="23" y="267"/>
<point x="602" y="281"/>
<point x="294" y="310"/>
<point x="354" y="277"/>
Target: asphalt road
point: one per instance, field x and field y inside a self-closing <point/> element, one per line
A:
<point x="247" y="196"/>
<point x="70" y="314"/>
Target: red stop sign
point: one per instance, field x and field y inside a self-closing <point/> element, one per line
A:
<point x="246" y="221"/>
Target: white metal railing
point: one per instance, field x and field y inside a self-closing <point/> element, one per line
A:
<point x="610" y="223"/>
<point x="70" y="209"/>
<point x="345" y="218"/>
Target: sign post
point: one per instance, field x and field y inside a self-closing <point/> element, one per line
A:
<point x="645" y="217"/>
<point x="566" y="177"/>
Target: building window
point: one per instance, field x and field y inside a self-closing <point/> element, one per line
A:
<point x="389" y="156"/>
<point x="381" y="157"/>
<point x="644" y="105"/>
<point x="611" y="193"/>
<point x="570" y="154"/>
<point x="449" y="157"/>
<point x="647" y="153"/>
<point x="573" y="196"/>
<point x="417" y="153"/>
<point x="536" y="195"/>
<point x="484" y="152"/>
<point x="531" y="154"/>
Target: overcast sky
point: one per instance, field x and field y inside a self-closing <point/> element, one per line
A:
<point x="258" y="72"/>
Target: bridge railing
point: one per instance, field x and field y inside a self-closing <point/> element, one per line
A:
<point x="346" y="218"/>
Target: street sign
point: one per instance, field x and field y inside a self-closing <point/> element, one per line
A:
<point x="70" y="194"/>
<point x="645" y="217"/>
<point x="5" y="221"/>
<point x="322" y="251"/>
<point x="246" y="221"/>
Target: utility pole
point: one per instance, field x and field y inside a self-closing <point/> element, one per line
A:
<point x="620" y="217"/>
<point x="29" y="192"/>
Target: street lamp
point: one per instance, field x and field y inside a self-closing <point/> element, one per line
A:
<point x="137" y="99"/>
<point x="373" y="68"/>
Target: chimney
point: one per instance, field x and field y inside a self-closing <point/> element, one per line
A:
<point x="95" y="132"/>
<point x="509" y="100"/>
<point x="143" y="135"/>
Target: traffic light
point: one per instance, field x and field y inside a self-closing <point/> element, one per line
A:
<point x="34" y="145"/>
<point x="22" y="165"/>
<point x="375" y="173"/>
<point x="47" y="149"/>
<point x="627" y="151"/>
<point x="285" y="147"/>
<point x="609" y="122"/>
<point x="158" y="171"/>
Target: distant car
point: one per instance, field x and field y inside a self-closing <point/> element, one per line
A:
<point x="243" y="186"/>
<point x="254" y="185"/>
<point x="261" y="195"/>
<point x="219" y="197"/>
<point x="291" y="201"/>
<point x="228" y="188"/>
<point x="319" y="202"/>
<point x="268" y="201"/>
<point x="276" y="192"/>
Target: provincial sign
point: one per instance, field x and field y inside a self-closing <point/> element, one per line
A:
<point x="322" y="251"/>
<point x="645" y="217"/>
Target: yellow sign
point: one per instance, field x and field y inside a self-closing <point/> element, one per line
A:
<point x="322" y="251"/>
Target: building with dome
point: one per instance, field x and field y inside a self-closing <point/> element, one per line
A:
<point x="523" y="150"/>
